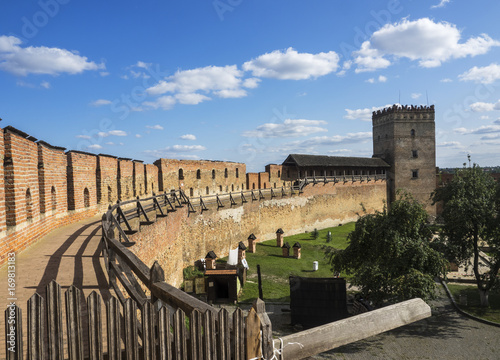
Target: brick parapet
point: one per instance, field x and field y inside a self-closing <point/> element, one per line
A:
<point x="82" y="192"/>
<point x="52" y="179"/>
<point x="2" y="186"/>
<point x="139" y="179"/>
<point x="107" y="179"/>
<point x="125" y="179"/>
<point x="21" y="177"/>
<point x="151" y="179"/>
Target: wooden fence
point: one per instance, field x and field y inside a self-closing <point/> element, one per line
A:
<point x="149" y="331"/>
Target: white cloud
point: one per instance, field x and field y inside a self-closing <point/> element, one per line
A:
<point x="112" y="133"/>
<point x="251" y="83"/>
<point x="103" y="73"/>
<point x="483" y="107"/>
<point x="175" y="150"/>
<point x="292" y="65"/>
<point x="100" y="102"/>
<point x="190" y="137"/>
<point x="381" y="78"/>
<point x="210" y="78"/>
<point x="87" y="137"/>
<point x="423" y="40"/>
<point x="416" y="96"/>
<point x="450" y="144"/>
<point x="190" y="98"/>
<point x="313" y="143"/>
<point x="110" y="143"/>
<point x="446" y="80"/>
<point x="485" y="129"/>
<point x="95" y="147"/>
<point x="138" y="136"/>
<point x="289" y="128"/>
<point x="484" y="117"/>
<point x="45" y="84"/>
<point x="363" y="114"/>
<point x="484" y="75"/>
<point x="345" y="66"/>
<point x="41" y="60"/>
<point x="231" y="93"/>
<point x="155" y="127"/>
<point x="143" y="65"/>
<point x="165" y="102"/>
<point x="441" y="4"/>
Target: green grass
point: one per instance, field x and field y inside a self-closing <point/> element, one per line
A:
<point x="473" y="307"/>
<point x="275" y="269"/>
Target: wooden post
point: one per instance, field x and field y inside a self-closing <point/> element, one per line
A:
<point x="252" y="338"/>
<point x="260" y="283"/>
<point x="266" y="327"/>
<point x="156" y="274"/>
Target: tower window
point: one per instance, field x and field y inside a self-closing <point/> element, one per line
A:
<point x="213" y="174"/>
<point x="181" y="174"/>
<point x="225" y="172"/>
<point x="198" y="174"/>
<point x="412" y="132"/>
<point x="237" y="173"/>
<point x="414" y="174"/>
<point x="414" y="153"/>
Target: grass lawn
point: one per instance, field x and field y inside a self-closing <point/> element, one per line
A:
<point x="473" y="307"/>
<point x="275" y="269"/>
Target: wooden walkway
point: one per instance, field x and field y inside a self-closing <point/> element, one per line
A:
<point x="69" y="255"/>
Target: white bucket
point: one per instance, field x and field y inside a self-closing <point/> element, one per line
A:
<point x="315" y="266"/>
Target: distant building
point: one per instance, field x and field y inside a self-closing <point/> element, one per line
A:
<point x="404" y="148"/>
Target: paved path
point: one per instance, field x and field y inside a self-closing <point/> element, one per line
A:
<point x="70" y="255"/>
<point x="445" y="335"/>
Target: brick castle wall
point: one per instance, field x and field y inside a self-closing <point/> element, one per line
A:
<point x="42" y="187"/>
<point x="178" y="240"/>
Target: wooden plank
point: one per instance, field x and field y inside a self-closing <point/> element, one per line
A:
<point x="14" y="332"/>
<point x="120" y="213"/>
<point x="131" y="333"/>
<point x="195" y="331"/>
<point x="178" y="298"/>
<point x="120" y="230"/>
<point x="127" y="256"/>
<point x="95" y="326"/>
<point x="132" y="279"/>
<point x="207" y="345"/>
<point x="223" y="336"/>
<point x="116" y="269"/>
<point x="180" y="348"/>
<point x="238" y="335"/>
<point x="148" y="331"/>
<point x="113" y="329"/>
<point x="211" y="329"/>
<point x="266" y="328"/>
<point x="54" y="321"/>
<point x="36" y="328"/>
<point x="164" y="335"/>
<point x="326" y="337"/>
<point x="252" y="336"/>
<point x="73" y="298"/>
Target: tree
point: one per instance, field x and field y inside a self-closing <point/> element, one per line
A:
<point x="471" y="215"/>
<point x="389" y="254"/>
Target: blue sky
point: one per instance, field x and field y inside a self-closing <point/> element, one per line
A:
<point x="248" y="80"/>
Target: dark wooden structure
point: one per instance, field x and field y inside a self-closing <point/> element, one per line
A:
<point x="317" y="301"/>
<point x="222" y="285"/>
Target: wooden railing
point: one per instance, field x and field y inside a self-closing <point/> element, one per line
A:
<point x="154" y="333"/>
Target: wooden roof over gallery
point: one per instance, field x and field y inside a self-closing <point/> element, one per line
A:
<point x="333" y="161"/>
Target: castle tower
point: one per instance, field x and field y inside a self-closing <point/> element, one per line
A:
<point x="405" y="138"/>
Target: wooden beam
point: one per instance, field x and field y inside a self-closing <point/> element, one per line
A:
<point x="330" y="336"/>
